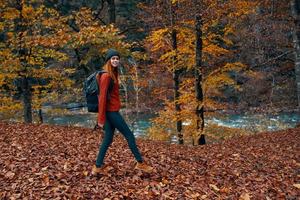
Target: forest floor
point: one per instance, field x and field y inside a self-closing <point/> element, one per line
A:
<point x="54" y="162"/>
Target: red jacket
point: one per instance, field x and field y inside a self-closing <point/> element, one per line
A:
<point x="114" y="103"/>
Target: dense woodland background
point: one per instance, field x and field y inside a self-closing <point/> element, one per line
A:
<point x="183" y="60"/>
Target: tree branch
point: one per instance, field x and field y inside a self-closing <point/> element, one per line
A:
<point x="273" y="59"/>
<point x="98" y="12"/>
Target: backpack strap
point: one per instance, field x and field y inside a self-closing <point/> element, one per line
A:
<point x="111" y="83"/>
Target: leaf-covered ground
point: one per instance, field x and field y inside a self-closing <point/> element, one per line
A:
<point x="54" y="162"/>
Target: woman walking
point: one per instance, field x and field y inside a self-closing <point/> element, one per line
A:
<point x="109" y="117"/>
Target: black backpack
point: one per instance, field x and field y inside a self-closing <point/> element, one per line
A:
<point x="92" y="90"/>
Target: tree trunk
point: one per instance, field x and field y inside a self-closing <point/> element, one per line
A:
<point x="41" y="116"/>
<point x="176" y="75"/>
<point x="112" y="11"/>
<point x="273" y="8"/>
<point x="176" y="72"/>
<point x="137" y="90"/>
<point x="258" y="48"/>
<point x="22" y="52"/>
<point x="125" y="89"/>
<point x="198" y="83"/>
<point x="27" y="100"/>
<point x="296" y="36"/>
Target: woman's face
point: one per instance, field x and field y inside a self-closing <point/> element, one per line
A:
<point x="115" y="61"/>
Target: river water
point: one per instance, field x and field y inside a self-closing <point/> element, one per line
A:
<point x="259" y="122"/>
<point x="81" y="118"/>
<point x="255" y="122"/>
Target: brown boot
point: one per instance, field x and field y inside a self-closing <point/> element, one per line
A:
<point x="99" y="170"/>
<point x="144" y="167"/>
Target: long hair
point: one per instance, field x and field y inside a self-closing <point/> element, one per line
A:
<point x="110" y="69"/>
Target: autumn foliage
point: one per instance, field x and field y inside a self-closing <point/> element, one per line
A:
<point x="37" y="46"/>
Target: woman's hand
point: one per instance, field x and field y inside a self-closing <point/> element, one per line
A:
<point x="100" y="125"/>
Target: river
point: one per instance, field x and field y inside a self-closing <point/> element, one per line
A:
<point x="255" y="122"/>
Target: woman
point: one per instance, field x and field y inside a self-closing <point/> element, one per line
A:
<point x="109" y="117"/>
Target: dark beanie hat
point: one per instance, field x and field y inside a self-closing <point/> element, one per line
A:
<point x="110" y="53"/>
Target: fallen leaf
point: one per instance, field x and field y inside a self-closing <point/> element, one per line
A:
<point x="297" y="185"/>
<point x="44" y="168"/>
<point x="85" y="173"/>
<point x="46" y="180"/>
<point x="165" y="181"/>
<point x="224" y="190"/>
<point x="16" y="196"/>
<point x="65" y="166"/>
<point x="214" y="187"/>
<point x="244" y="196"/>
<point x="195" y="196"/>
<point x="9" y="175"/>
<point x="225" y="171"/>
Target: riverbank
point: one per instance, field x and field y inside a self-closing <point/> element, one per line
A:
<point x="47" y="162"/>
<point x="258" y="122"/>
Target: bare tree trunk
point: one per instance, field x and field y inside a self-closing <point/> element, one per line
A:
<point x="296" y="35"/>
<point x="124" y="87"/>
<point x="176" y="75"/>
<point x="27" y="100"/>
<point x="272" y="90"/>
<point x="22" y="52"/>
<point x="137" y="90"/>
<point x="112" y="11"/>
<point x="198" y="83"/>
<point x="273" y="8"/>
<point x="259" y="52"/>
<point x="41" y="116"/>
<point x="126" y="100"/>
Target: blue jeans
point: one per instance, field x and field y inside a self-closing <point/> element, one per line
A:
<point x="115" y="120"/>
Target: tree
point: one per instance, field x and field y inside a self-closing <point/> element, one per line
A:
<point x="176" y="71"/>
<point x="111" y="11"/>
<point x="216" y="63"/>
<point x="171" y="8"/>
<point x="264" y="43"/>
<point x="296" y="34"/>
<point x="32" y="35"/>
<point x="198" y="82"/>
<point x="35" y="46"/>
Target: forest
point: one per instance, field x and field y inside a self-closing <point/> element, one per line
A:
<point x="207" y="87"/>
<point x="183" y="62"/>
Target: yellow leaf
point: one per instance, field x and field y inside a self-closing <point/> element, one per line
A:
<point x="66" y="166"/>
<point x="225" y="190"/>
<point x="11" y="13"/>
<point x="244" y="196"/>
<point x="85" y="173"/>
<point x="214" y="187"/>
<point x="297" y="185"/>
<point x="44" y="168"/>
